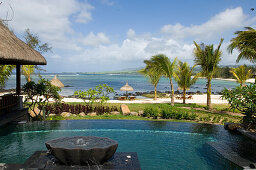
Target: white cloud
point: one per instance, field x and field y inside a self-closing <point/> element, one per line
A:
<point x="221" y="23"/>
<point x="84" y="16"/>
<point x="107" y="2"/>
<point x="51" y="20"/>
<point x="55" y="56"/>
<point x="95" y="40"/>
<point x="130" y="33"/>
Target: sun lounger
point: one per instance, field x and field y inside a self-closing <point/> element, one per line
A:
<point x="190" y="97"/>
<point x="132" y="97"/>
<point x="122" y="98"/>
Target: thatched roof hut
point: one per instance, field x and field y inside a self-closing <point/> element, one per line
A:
<point x="14" y="51"/>
<point x="56" y="82"/>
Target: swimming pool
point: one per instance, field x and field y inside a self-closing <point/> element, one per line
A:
<point x="159" y="145"/>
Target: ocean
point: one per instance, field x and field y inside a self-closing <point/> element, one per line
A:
<point x="137" y="81"/>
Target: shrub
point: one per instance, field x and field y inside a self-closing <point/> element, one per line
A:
<point x="76" y="109"/>
<point x="97" y="95"/>
<point x="172" y="112"/>
<point x="151" y="112"/>
<point x="244" y="100"/>
<point x="38" y="94"/>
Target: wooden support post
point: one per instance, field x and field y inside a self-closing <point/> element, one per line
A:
<point x="18" y="79"/>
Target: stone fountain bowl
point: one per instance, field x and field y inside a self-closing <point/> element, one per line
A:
<point x="82" y="150"/>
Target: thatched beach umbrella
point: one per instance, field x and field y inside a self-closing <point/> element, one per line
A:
<point x="56" y="82"/>
<point x="126" y="88"/>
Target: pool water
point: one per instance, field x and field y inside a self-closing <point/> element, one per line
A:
<point x="159" y="145"/>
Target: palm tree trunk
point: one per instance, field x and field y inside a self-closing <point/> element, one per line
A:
<point x="29" y="79"/>
<point x="209" y="92"/>
<point x="184" y="95"/>
<point x="172" y="89"/>
<point x="155" y="93"/>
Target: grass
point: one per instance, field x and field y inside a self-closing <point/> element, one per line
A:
<point x="112" y="117"/>
<point x="159" y="95"/>
<point x="203" y="116"/>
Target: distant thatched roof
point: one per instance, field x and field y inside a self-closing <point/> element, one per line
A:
<point x="126" y="87"/>
<point x="14" y="51"/>
<point x="56" y="82"/>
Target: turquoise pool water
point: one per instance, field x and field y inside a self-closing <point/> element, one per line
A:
<point x="159" y="145"/>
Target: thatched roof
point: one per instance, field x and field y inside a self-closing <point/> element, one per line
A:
<point x="56" y="82"/>
<point x="126" y="87"/>
<point x="14" y="51"/>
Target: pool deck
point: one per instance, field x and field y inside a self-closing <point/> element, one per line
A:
<point x="44" y="160"/>
<point x="16" y="115"/>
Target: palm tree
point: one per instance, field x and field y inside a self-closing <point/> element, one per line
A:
<point x="153" y="74"/>
<point x="162" y="64"/>
<point x="5" y="73"/>
<point x="184" y="78"/>
<point x="245" y="43"/>
<point x="241" y="74"/>
<point x="27" y="71"/>
<point x="208" y="59"/>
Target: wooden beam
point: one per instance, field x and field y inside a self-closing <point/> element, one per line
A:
<point x="18" y="79"/>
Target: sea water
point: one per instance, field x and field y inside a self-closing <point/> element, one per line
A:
<point x="137" y="81"/>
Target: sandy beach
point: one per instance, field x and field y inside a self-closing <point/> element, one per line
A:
<point x="252" y="80"/>
<point x="216" y="99"/>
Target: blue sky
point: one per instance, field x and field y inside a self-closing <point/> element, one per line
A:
<point x="108" y="35"/>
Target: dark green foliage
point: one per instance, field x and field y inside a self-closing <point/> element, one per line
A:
<point x="38" y="94"/>
<point x="244" y="100"/>
<point x="33" y="41"/>
<point x="172" y="112"/>
<point x="245" y="43"/>
<point x="5" y="73"/>
<point x="223" y="72"/>
<point x="151" y="112"/>
<point x="76" y="109"/>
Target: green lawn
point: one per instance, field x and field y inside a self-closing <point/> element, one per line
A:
<point x="203" y="116"/>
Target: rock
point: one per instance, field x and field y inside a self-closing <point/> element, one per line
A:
<point x="73" y="114"/>
<point x="92" y="114"/>
<point x="231" y="126"/>
<point x="82" y="114"/>
<point x="35" y="112"/>
<point x="65" y="114"/>
<point x="134" y="113"/>
<point x="115" y="113"/>
<point x="140" y="113"/>
<point x="52" y="114"/>
<point x="124" y="109"/>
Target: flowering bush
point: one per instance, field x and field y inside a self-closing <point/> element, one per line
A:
<point x="244" y="100"/>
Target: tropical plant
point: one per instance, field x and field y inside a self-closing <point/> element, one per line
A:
<point x="208" y="59"/>
<point x="245" y="43"/>
<point x="38" y="94"/>
<point x="241" y="74"/>
<point x="243" y="98"/>
<point x="5" y="73"/>
<point x="183" y="77"/>
<point x="153" y="74"/>
<point x="27" y="70"/>
<point x="97" y="95"/>
<point x="34" y="42"/>
<point x="151" y="112"/>
<point x="163" y="65"/>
